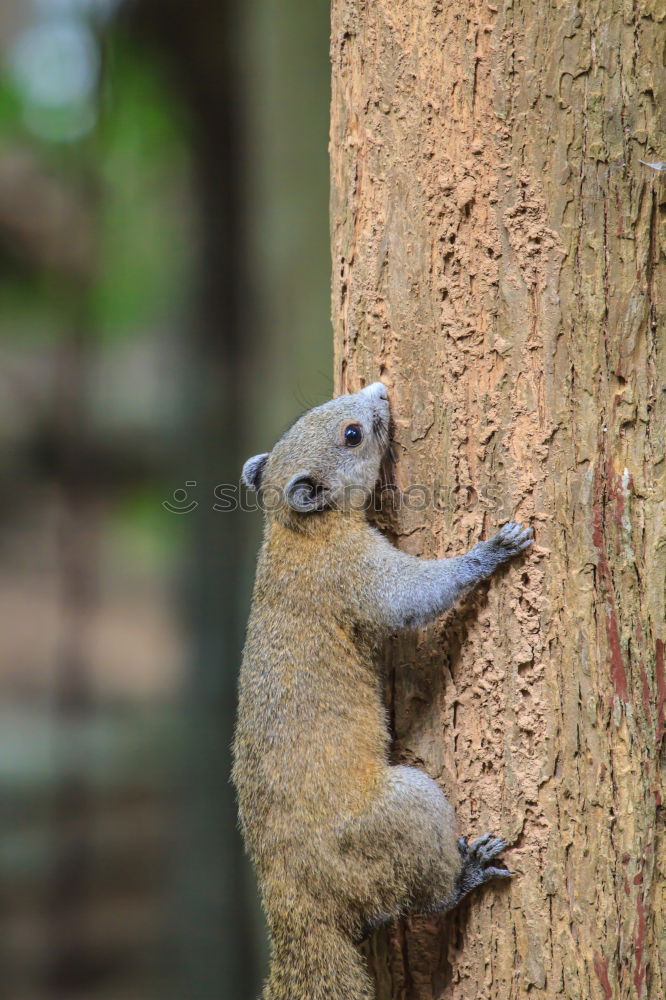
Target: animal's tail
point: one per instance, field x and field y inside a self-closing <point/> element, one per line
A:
<point x="315" y="963"/>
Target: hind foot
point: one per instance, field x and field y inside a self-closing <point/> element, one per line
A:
<point x="477" y="865"/>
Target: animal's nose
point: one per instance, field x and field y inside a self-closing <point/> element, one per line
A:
<point x="377" y="390"/>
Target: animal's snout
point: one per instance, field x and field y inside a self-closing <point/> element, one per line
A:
<point x="376" y="391"/>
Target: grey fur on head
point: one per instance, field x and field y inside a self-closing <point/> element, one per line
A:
<point x="315" y="463"/>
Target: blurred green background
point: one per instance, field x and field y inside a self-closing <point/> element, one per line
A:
<point x="164" y="312"/>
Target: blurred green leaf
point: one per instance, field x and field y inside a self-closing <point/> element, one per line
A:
<point x="143" y="168"/>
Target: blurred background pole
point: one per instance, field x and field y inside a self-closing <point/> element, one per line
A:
<point x="69" y="966"/>
<point x="215" y="943"/>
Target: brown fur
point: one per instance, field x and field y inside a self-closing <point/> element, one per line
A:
<point x="341" y="840"/>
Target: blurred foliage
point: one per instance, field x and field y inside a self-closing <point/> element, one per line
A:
<point x="131" y="176"/>
<point x="145" y="229"/>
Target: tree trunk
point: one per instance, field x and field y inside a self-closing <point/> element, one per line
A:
<point x="496" y="261"/>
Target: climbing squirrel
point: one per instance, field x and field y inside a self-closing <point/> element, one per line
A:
<point x="341" y="840"/>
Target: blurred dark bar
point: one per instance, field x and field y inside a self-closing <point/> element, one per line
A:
<point x="216" y="953"/>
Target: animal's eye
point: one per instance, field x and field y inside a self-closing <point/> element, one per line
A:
<point x="353" y="435"/>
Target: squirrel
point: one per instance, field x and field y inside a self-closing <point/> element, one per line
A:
<point x="341" y="840"/>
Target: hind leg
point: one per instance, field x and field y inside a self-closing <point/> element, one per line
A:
<point x="402" y="854"/>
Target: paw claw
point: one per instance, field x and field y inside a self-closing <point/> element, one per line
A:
<point x="480" y="841"/>
<point x="499" y="873"/>
<point x="493" y="848"/>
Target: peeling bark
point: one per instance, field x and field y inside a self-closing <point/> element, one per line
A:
<point x="498" y="262"/>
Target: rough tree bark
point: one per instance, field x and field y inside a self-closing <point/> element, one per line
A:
<point x="497" y="261"/>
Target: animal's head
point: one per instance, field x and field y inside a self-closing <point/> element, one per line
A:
<point x="329" y="459"/>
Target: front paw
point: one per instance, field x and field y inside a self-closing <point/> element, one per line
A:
<point x="510" y="541"/>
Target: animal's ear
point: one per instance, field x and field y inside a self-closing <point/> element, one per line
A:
<point x="304" y="494"/>
<point x="253" y="470"/>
